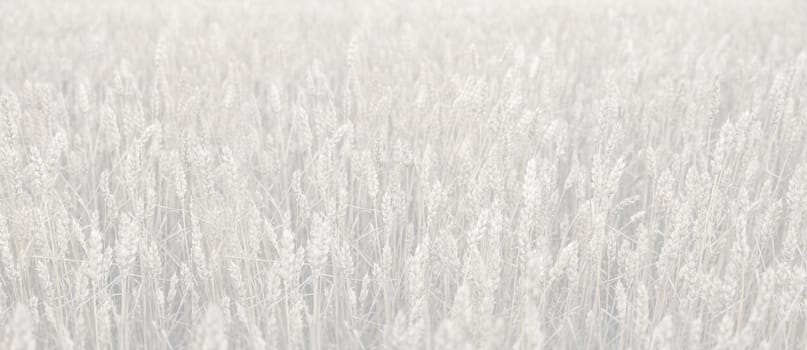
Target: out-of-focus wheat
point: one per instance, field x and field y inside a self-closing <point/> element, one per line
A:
<point x="421" y="174"/>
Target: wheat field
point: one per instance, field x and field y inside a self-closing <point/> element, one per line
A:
<point x="424" y="174"/>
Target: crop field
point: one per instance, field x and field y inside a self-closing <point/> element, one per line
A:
<point x="423" y="174"/>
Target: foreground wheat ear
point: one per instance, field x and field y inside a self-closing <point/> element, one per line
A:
<point x="423" y="174"/>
